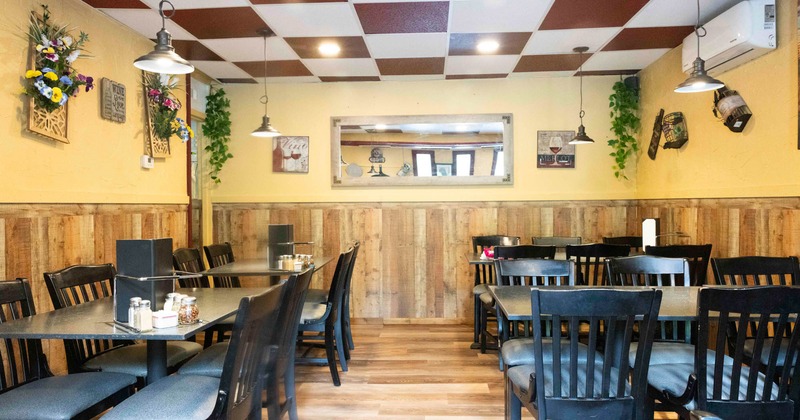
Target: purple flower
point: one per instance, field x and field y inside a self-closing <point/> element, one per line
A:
<point x="89" y="83"/>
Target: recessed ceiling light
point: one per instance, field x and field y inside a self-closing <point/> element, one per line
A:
<point x="329" y="48"/>
<point x="487" y="47"/>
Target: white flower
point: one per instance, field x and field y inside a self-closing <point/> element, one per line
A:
<point x="45" y="42"/>
<point x="46" y="91"/>
<point x="73" y="56"/>
<point x="67" y="40"/>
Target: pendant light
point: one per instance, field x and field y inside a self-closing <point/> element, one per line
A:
<point x="699" y="80"/>
<point x="163" y="58"/>
<point x="581" y="137"/>
<point x="266" y="129"/>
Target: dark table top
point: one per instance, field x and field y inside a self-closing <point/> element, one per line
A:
<point x="258" y="267"/>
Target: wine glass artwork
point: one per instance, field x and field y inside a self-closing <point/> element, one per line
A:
<point x="553" y="149"/>
<point x="294" y="153"/>
<point x="556" y="143"/>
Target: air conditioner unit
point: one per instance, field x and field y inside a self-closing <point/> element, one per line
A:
<point x="744" y="32"/>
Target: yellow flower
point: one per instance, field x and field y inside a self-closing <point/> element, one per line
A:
<point x="175" y="125"/>
<point x="50" y="75"/>
<point x="30" y="74"/>
<point x="49" y="50"/>
<point x="57" y="94"/>
<point x="191" y="132"/>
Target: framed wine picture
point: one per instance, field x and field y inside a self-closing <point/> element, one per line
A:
<point x="290" y="154"/>
<point x="553" y="149"/>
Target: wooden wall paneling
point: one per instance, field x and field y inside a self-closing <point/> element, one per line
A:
<point x="423" y="257"/>
<point x="331" y="243"/>
<point x="456" y="267"/>
<point x="399" y="263"/>
<point x="438" y="262"/>
<point x="3" y="272"/>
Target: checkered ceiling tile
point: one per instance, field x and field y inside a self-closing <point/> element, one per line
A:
<point x="381" y="40"/>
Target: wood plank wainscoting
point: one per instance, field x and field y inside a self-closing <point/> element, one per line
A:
<point x="36" y="238"/>
<point x="411" y="266"/>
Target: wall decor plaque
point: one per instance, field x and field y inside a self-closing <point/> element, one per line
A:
<point x="553" y="149"/>
<point x="113" y="100"/>
<point x="290" y="154"/>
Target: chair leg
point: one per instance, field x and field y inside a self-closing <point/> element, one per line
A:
<point x="330" y="352"/>
<point x="208" y="338"/>
<point x="273" y="402"/>
<point x="513" y="404"/>
<point x="476" y="319"/>
<point x="290" y="391"/>
<point x="482" y="329"/>
<point x="341" y="346"/>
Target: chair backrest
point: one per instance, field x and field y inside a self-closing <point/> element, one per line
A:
<point x="745" y="387"/>
<point x="631" y="241"/>
<point x="289" y="319"/>
<point x="252" y="340"/>
<point x="336" y="292"/>
<point x="597" y="386"/>
<point x="190" y="260"/>
<point x="742" y="271"/>
<point x="21" y="360"/>
<point x="647" y="270"/>
<point x="349" y="279"/>
<point x="556" y="241"/>
<point x="590" y="261"/>
<point x="221" y="254"/>
<point x="75" y="285"/>
<point x="484" y="273"/>
<point x="697" y="255"/>
<point x="535" y="272"/>
<point x="525" y="251"/>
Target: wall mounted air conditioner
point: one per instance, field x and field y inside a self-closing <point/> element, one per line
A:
<point x="744" y="32"/>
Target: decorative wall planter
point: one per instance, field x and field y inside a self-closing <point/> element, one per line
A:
<point x="52" y="125"/>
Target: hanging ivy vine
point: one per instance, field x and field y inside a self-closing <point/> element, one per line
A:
<point x="217" y="130"/>
<point x="624" y="104"/>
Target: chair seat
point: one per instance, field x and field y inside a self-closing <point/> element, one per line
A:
<point x="176" y="396"/>
<point x="317" y="296"/>
<point x="133" y="359"/>
<point x="519" y="351"/>
<point x="520" y="376"/>
<point x="208" y="363"/>
<point x="61" y="397"/>
<point x="663" y="352"/>
<point x="486" y="299"/>
<point x="673" y="378"/>
<point x="750" y="342"/>
<point x="313" y="313"/>
<point x="480" y="289"/>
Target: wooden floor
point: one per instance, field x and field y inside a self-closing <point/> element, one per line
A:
<point x="408" y="372"/>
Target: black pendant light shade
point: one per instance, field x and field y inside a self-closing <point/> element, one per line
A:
<point x="163" y="59"/>
<point x="266" y="129"/>
<point x="581" y="137"/>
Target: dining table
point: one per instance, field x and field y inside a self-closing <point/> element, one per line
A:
<point x="95" y="320"/>
<point x="259" y="267"/>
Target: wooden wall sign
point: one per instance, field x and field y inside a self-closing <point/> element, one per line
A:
<point x="113" y="100"/>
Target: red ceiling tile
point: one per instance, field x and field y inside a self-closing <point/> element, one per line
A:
<point x="117" y="4"/>
<point x="223" y="80"/>
<point x="409" y="66"/>
<point x="193" y="50"/>
<point x="352" y="46"/>
<point x="646" y="38"/>
<point x="475" y="76"/>
<point x="233" y="22"/>
<point x="396" y="18"/>
<point x="552" y="62"/>
<point x="350" y="79"/>
<point x="572" y="14"/>
<point x="283" y="68"/>
<point x="510" y="43"/>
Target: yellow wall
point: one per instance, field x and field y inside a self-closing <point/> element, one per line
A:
<point x="101" y="163"/>
<point x="306" y="109"/>
<point x="761" y="161"/>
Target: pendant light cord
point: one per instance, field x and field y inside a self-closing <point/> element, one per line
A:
<point x="265" y="98"/>
<point x="697" y="29"/>
<point x="165" y="16"/>
<point x="580" y="69"/>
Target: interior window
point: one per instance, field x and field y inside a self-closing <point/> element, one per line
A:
<point x="423" y="162"/>
<point x="499" y="163"/>
<point x="463" y="162"/>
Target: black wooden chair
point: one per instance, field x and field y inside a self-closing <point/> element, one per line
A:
<point x="28" y="390"/>
<point x="321" y="296"/>
<point x="528" y="272"/>
<point x="210" y="362"/>
<point x="590" y="261"/>
<point x="236" y="395"/>
<point x="634" y="242"/>
<point x="323" y="319"/>
<point x="83" y="283"/>
<point x="191" y="261"/>
<point x="730" y="386"/>
<point x="484" y="275"/>
<point x="697" y="255"/>
<point x="562" y="385"/>
<point x="487" y="302"/>
<point x="556" y="241"/>
<point x="217" y="255"/>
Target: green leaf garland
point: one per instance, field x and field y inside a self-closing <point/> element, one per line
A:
<point x="217" y="130"/>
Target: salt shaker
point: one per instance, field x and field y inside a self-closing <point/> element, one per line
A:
<point x="145" y="316"/>
<point x="169" y="301"/>
<point x="132" y="310"/>
<point x="188" y="313"/>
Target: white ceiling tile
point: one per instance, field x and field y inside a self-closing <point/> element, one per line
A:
<point x="311" y="19"/>
<point x="292" y="79"/>
<point x="194" y="4"/>
<point x="221" y="70"/>
<point x="497" y="15"/>
<point x="562" y="41"/>
<point x="623" y="60"/>
<point x="407" y="45"/>
<point x="412" y="77"/>
<point x="680" y="12"/>
<point x="251" y="49"/>
<point x="147" y="23"/>
<point x="528" y="74"/>
<point x="341" y="67"/>
<point x="483" y="64"/>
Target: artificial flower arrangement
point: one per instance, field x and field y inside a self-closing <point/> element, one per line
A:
<point x="164" y="107"/>
<point x="53" y="80"/>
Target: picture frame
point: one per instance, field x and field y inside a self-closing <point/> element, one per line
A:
<point x="444" y="169"/>
<point x="553" y="149"/>
<point x="290" y="154"/>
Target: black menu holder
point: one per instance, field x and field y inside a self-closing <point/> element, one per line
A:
<point x="279" y="242"/>
<point x="144" y="268"/>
